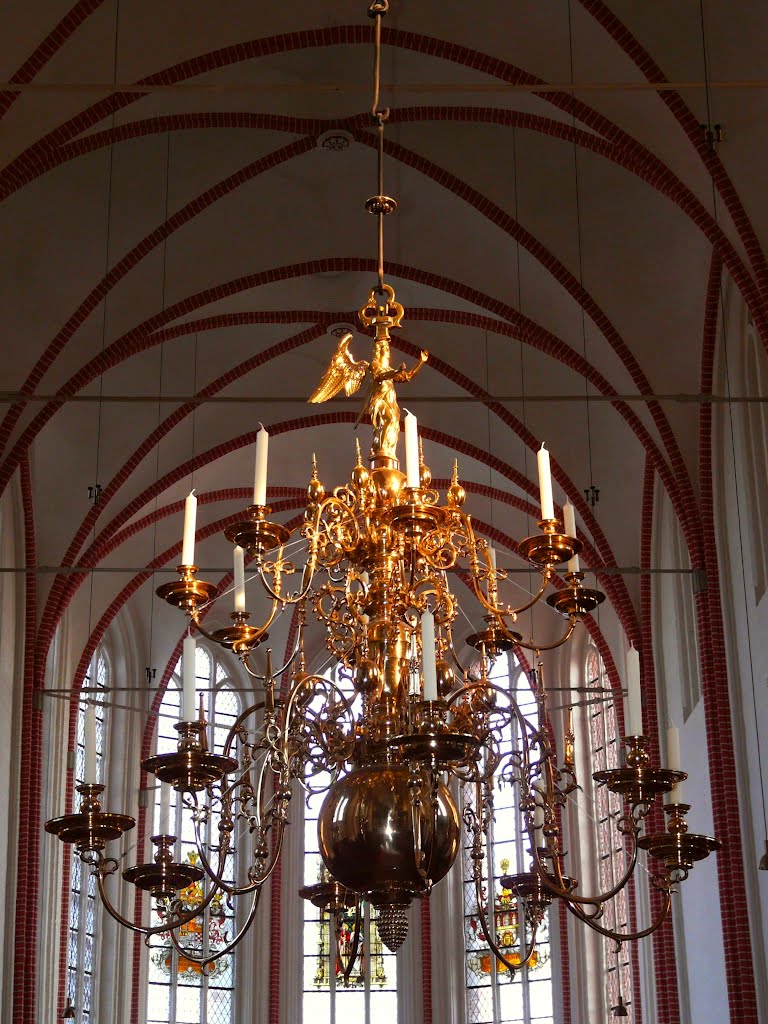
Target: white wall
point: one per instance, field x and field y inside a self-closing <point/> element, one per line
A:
<point x="741" y="474"/>
<point x="11" y="687"/>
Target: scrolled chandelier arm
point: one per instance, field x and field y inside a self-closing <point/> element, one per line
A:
<point x="227" y="948"/>
<point x="527" y="937"/>
<point x="409" y="720"/>
<point x="103" y="867"/>
<point x="620" y="937"/>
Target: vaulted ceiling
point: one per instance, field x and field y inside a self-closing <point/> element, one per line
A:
<point x="198" y="229"/>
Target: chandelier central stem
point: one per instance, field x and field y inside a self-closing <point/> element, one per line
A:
<point x="380" y="204"/>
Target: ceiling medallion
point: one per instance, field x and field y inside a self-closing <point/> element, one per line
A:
<point x="375" y="574"/>
<point x="336" y="140"/>
<point x="339" y="330"/>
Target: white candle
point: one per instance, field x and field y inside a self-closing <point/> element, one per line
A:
<point x="190" y="519"/>
<point x="673" y="763"/>
<point x="545" y="484"/>
<point x="239" y="579"/>
<point x="260" y="477"/>
<point x="411" y="424"/>
<point x="569" y="524"/>
<point x="492" y="556"/>
<point x="163" y="824"/>
<point x="633" y="714"/>
<point x="428" y="663"/>
<point x="188" y="709"/>
<point x="89" y="739"/>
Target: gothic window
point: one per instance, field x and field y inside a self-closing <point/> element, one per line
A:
<point x="492" y="996"/>
<point x="609" y="845"/>
<point x="178" y="991"/>
<point x="83" y="919"/>
<point x="371" y="995"/>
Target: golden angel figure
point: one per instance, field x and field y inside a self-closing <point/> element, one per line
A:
<point x="346" y="372"/>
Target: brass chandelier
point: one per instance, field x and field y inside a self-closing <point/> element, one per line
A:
<point x="392" y="754"/>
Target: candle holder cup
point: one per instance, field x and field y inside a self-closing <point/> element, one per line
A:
<point x="90" y="828"/>
<point x="550" y="547"/>
<point x="163" y="877"/>
<point x="187" y="593"/>
<point x="678" y="848"/>
<point x="637" y="781"/>
<point x="256" y="534"/>
<point x="191" y="767"/>
<point x="575" y="600"/>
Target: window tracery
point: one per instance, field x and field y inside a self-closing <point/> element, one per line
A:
<point x="178" y="990"/>
<point x="492" y="996"/>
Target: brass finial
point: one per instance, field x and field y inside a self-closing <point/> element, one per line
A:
<point x="456" y="494"/>
<point x="360" y="475"/>
<point x="425" y="473"/>
<point x="315" y="489"/>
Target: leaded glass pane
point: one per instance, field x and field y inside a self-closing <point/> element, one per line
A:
<point x="82" y="906"/>
<point x="609" y="845"/>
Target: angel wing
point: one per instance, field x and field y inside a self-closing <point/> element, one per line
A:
<point x="343" y="372"/>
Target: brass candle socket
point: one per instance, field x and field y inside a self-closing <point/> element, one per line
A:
<point x="90" y="828"/>
<point x="188" y="592"/>
<point x="678" y="848"/>
<point x="256" y="534"/>
<point x="241" y="637"/>
<point x="191" y="767"/>
<point x="575" y="600"/>
<point x="637" y="754"/>
<point x="637" y="782"/>
<point x="550" y="547"/>
<point x="163" y="877"/>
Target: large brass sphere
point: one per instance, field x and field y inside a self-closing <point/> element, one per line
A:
<point x="366" y="837"/>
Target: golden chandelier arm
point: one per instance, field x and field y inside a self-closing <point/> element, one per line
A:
<point x="529" y="645"/>
<point x="620" y="937"/>
<point x="229" y="947"/>
<point x="103" y="866"/>
<point x="240" y="637"/>
<point x="525" y="948"/>
<point x="256" y="878"/>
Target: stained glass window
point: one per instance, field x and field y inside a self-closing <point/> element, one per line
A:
<point x="609" y="846"/>
<point x="492" y="996"/>
<point x="371" y="995"/>
<point x="83" y="919"/>
<point x="178" y="991"/>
